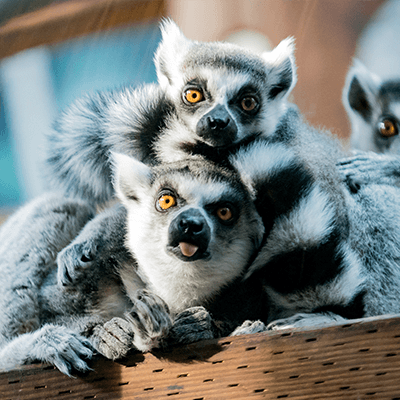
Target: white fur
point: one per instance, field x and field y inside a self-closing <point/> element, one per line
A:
<point x="394" y="109"/>
<point x="272" y="115"/>
<point x="277" y="57"/>
<point x="174" y="47"/>
<point x="180" y="284"/>
<point x="131" y="173"/>
<point x="168" y="146"/>
<point x="349" y="282"/>
<point x="299" y="229"/>
<point x="261" y="160"/>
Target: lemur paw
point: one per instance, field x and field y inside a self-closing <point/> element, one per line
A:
<point x="73" y="260"/>
<point x="191" y="325"/>
<point x="249" y="327"/>
<point x="151" y="320"/>
<point x="62" y="348"/>
<point x="140" y="329"/>
<point x="302" y="320"/>
<point x="114" y="338"/>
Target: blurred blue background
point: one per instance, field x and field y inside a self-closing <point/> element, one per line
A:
<point x="61" y="73"/>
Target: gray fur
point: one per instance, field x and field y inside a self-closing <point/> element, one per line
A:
<point x="43" y="321"/>
<point x="374" y="233"/>
<point x="370" y="101"/>
<point x="367" y="280"/>
<point x="154" y="124"/>
<point x="200" y="189"/>
<point x="30" y="241"/>
<point x="112" y="300"/>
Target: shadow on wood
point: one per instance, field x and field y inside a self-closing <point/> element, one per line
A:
<point x="357" y="360"/>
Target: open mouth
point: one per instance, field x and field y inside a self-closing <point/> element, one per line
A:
<point x="188" y="251"/>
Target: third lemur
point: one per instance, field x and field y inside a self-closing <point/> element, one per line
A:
<point x="372" y="105"/>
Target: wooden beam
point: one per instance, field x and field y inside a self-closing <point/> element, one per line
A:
<point x="62" y="21"/>
<point x="356" y="360"/>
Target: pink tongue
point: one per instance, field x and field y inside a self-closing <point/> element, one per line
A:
<point x="187" y="249"/>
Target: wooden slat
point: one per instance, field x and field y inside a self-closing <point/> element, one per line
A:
<point x="66" y="20"/>
<point x="357" y="360"/>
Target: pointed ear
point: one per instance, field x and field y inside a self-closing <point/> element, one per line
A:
<point x="131" y="178"/>
<point x="169" y="53"/>
<point x="360" y="90"/>
<point x="281" y="68"/>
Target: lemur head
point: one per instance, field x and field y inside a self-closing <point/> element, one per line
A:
<point x="224" y="92"/>
<point x="373" y="107"/>
<point x="192" y="226"/>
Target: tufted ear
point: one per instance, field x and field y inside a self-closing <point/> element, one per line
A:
<point x="360" y="90"/>
<point x="131" y="178"/>
<point x="170" y="53"/>
<point x="281" y="68"/>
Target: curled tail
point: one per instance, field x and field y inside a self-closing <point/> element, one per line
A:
<point x="128" y="121"/>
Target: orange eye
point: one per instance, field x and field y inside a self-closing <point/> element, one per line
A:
<point x="224" y="213"/>
<point x="387" y="128"/>
<point x="194" y="95"/>
<point x="248" y="103"/>
<point x="166" y="201"/>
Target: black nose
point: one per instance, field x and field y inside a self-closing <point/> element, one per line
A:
<point x="217" y="127"/>
<point x="191" y="225"/>
<point x="217" y="123"/>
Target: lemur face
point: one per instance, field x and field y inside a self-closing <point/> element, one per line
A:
<point x="191" y="221"/>
<point x="195" y="223"/>
<point x="224" y="93"/>
<point x="373" y="107"/>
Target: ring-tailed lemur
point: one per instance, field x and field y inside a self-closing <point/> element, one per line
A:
<point x="312" y="269"/>
<point x="373" y="108"/>
<point x="183" y="214"/>
<point x="212" y="98"/>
